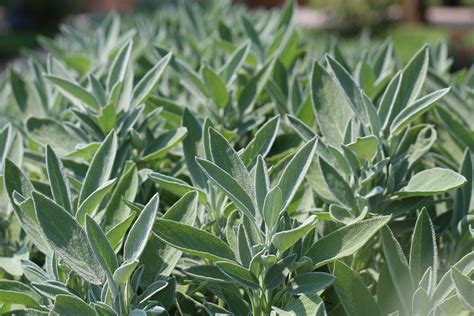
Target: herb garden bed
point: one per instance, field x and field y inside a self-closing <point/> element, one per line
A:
<point x="204" y="161"/>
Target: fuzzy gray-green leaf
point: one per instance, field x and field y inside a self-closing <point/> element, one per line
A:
<point x="67" y="238"/>
<point x="100" y="168"/>
<point x="192" y="240"/>
<point x="141" y="231"/>
<point x="345" y="241"/>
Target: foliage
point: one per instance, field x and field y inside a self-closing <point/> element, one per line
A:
<point x="210" y="162"/>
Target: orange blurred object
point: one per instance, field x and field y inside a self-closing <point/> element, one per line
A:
<point x="269" y="3"/>
<point x="105" y="5"/>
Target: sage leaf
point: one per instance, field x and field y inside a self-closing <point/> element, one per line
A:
<point x="100" y="245"/>
<point x="415" y="110"/>
<point x="145" y="86"/>
<point x="229" y="185"/>
<point x="294" y="173"/>
<point x="192" y="240"/>
<point x="216" y="86"/>
<point x="48" y="131"/>
<point x="345" y="241"/>
<point x="310" y="282"/>
<point x="285" y="239"/>
<point x="58" y="180"/>
<point x="74" y="92"/>
<point x="330" y="104"/>
<point x="69" y="305"/>
<point x="100" y="168"/>
<point x="67" y="238"/>
<point x="15" y="292"/>
<point x="141" y="231"/>
<point x="19" y="189"/>
<point x="272" y="207"/>
<point x="432" y="182"/>
<point x="351" y="290"/>
<point x="423" y="251"/>
<point x="464" y="288"/>
<point x="337" y="184"/>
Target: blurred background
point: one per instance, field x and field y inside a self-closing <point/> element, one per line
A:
<point x="410" y="23"/>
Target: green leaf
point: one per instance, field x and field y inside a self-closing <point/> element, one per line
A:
<point x="229" y="71"/>
<point x="13" y="264"/>
<point x="330" y="104"/>
<point x="101" y="247"/>
<point x="159" y="257"/>
<point x="164" y="143"/>
<point x="19" y="91"/>
<point x="365" y="147"/>
<point x="354" y="94"/>
<point x="445" y="286"/>
<point x="51" y="288"/>
<point x="304" y="305"/>
<point x="125" y="190"/>
<point x="141" y="231"/>
<point x="224" y="156"/>
<point x="252" y="90"/>
<point x="389" y="97"/>
<point x="192" y="144"/>
<point x="295" y="171"/>
<point x="337" y="184"/>
<point x="15" y="292"/>
<point x="5" y="139"/>
<point x="229" y="185"/>
<point x="17" y="185"/>
<point x="58" y="180"/>
<point x="107" y="118"/>
<point x="193" y="241"/>
<point x="71" y="305"/>
<point x="345" y="241"/>
<point x="90" y="205"/>
<point x="398" y="267"/>
<point x="304" y="131"/>
<point x="262" y="183"/>
<point x="119" y="65"/>
<point x="414" y="75"/>
<point x="423" y="251"/>
<point x="285" y="239"/>
<point x="310" y="282"/>
<point x="67" y="238"/>
<point x="251" y="33"/>
<point x="239" y="273"/>
<point x="100" y="168"/>
<point x="243" y="244"/>
<point x="97" y="89"/>
<point x="287" y="14"/>
<point x="176" y="186"/>
<point x="216" y="87"/>
<point x="415" y="110"/>
<point x="124" y="272"/>
<point x="432" y="182"/>
<point x="83" y="152"/>
<point x="103" y="309"/>
<point x="353" y="293"/>
<point x="208" y="273"/>
<point x="116" y="234"/>
<point x="151" y="290"/>
<point x="261" y="143"/>
<point x="464" y="288"/>
<point x="74" y="92"/>
<point x="149" y="81"/>
<point x="48" y="131"/>
<point x="278" y="272"/>
<point x="272" y="207"/>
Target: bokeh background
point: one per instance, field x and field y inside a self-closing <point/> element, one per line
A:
<point x="410" y="23"/>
